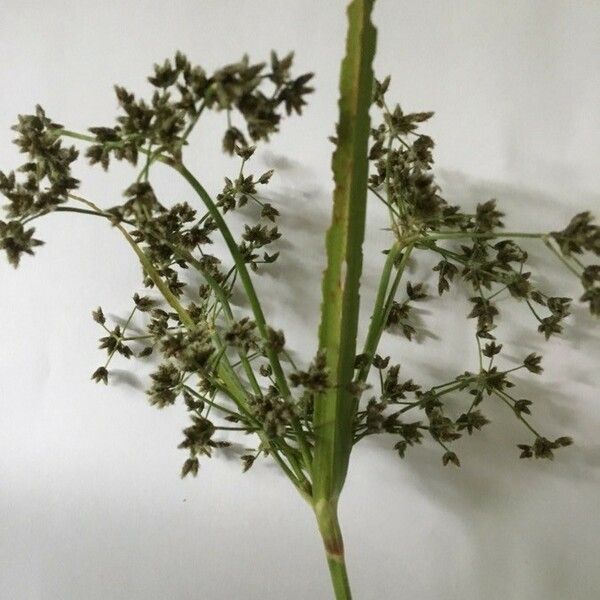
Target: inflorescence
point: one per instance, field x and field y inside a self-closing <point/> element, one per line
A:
<point x="231" y="369"/>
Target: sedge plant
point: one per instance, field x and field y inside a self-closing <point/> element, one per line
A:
<point x="226" y="363"/>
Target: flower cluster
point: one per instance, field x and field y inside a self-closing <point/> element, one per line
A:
<point x="230" y="368"/>
<point x="42" y="184"/>
<point x="384" y="413"/>
<point x="581" y="235"/>
<point x="183" y="91"/>
<point x="473" y="248"/>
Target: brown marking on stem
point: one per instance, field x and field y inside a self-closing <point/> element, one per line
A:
<point x="335" y="549"/>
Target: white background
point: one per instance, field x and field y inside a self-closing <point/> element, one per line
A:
<point x="91" y="504"/>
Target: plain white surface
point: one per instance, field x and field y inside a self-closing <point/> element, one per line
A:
<point x="91" y="504"/>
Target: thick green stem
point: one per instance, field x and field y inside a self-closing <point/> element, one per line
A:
<point x="333" y="542"/>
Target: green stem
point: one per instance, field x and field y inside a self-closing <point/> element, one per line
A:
<point x="562" y="258"/>
<point x="151" y="157"/>
<point x="83" y="211"/>
<point x="460" y="235"/>
<point x="80" y="136"/>
<point x="333" y="542"/>
<point x="192" y="124"/>
<point x="382" y="305"/>
<point x="220" y="407"/>
<point x="390" y="208"/>
<point x="507" y="400"/>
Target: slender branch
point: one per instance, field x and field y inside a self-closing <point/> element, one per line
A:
<point x="459" y="235"/>
<point x="193" y="122"/>
<point x="220" y="407"/>
<point x="506" y="399"/>
<point x="562" y="258"/>
<point x="382" y="305"/>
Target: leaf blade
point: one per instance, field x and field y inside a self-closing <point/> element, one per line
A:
<point x="334" y="410"/>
